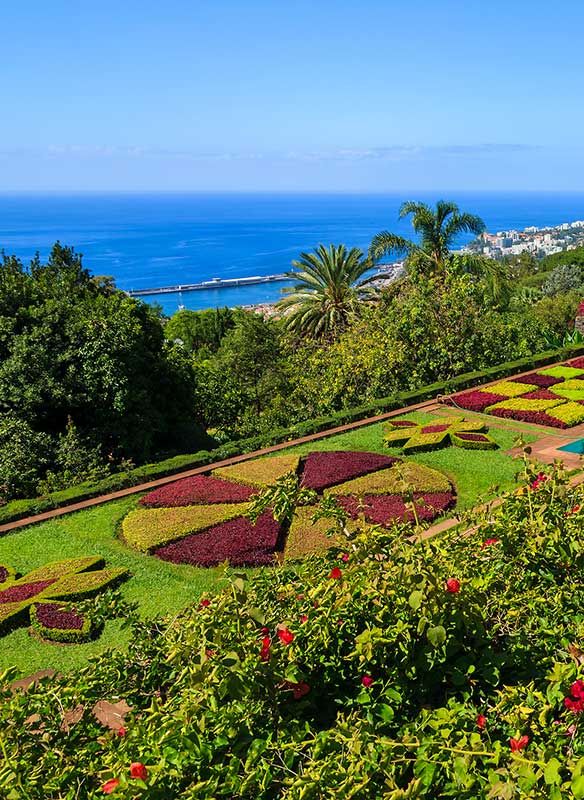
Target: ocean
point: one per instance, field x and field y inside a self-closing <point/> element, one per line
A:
<point x="151" y="240"/>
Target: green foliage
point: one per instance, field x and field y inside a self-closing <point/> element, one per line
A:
<point x="429" y="331"/>
<point x="555" y="314"/>
<point x="72" y="347"/>
<point x="201" y="330"/>
<point x="405" y="671"/>
<point x="402" y="478"/>
<point x="563" y="279"/>
<point x="24" y="456"/>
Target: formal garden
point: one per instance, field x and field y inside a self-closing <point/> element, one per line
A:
<point x="417" y="468"/>
<point x="390" y="610"/>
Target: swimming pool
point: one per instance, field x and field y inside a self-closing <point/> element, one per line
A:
<point x="574" y="447"/>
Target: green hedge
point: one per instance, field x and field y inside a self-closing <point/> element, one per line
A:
<point x="17" y="509"/>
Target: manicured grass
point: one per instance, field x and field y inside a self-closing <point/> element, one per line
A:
<point x="158" y="586"/>
<point x="474" y="472"/>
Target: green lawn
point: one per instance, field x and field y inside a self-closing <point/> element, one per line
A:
<point x="158" y="586"/>
<point x="162" y="588"/>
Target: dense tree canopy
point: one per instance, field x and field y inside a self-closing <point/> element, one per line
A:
<point x="71" y="348"/>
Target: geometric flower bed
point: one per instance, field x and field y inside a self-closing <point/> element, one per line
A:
<point x="206" y="533"/>
<point x="198" y="489"/>
<point x="35" y="596"/>
<point x="414" y="437"/>
<point x="553" y="396"/>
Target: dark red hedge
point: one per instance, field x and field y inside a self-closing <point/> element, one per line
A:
<point x="23" y="591"/>
<point x="537" y="417"/>
<point x="477" y="401"/>
<point x="200" y="489"/>
<point x="578" y="363"/>
<point x="435" y="428"/>
<point x="336" y="466"/>
<point x="542" y="394"/>
<point x="3" y="574"/>
<point x="538" y="380"/>
<point x="473" y="437"/>
<point x="238" y="541"/>
<point x="57" y="617"/>
<point x="386" y="509"/>
<point x="403" y="423"/>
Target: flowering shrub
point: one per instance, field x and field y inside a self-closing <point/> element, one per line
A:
<point x="435" y="670"/>
<point x="147" y="528"/>
<point x="203" y="489"/>
<point x="239" y="541"/>
<point x="258" y="472"/>
<point x="327" y="468"/>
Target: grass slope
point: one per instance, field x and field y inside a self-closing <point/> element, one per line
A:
<point x="159" y="587"/>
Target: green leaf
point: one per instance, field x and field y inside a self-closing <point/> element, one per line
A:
<point x="577" y="787"/>
<point x="415" y="599"/>
<point x="436" y="635"/>
<point x="551" y="772"/>
<point x="257" y="615"/>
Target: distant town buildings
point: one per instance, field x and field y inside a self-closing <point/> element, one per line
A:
<point x="539" y="242"/>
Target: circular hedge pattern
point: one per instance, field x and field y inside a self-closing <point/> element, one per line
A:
<point x="201" y="520"/>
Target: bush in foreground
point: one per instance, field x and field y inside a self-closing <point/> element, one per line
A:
<point x="445" y="668"/>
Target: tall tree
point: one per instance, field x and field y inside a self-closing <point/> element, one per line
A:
<point x="437" y="229"/>
<point x="329" y="290"/>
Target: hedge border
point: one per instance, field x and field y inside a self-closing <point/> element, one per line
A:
<point x="21" y="509"/>
<point x="60" y="635"/>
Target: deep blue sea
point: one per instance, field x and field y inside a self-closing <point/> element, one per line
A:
<point x="150" y="240"/>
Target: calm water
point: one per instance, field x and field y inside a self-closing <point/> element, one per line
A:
<point x="159" y="239"/>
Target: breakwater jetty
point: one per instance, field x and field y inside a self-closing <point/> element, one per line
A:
<point x="214" y="283"/>
<point x="384" y="271"/>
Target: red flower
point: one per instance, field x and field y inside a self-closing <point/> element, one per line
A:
<point x="366" y="680"/>
<point x="110" y="786"/>
<point x="315" y="604"/>
<point x="300" y="597"/>
<point x="518" y="744"/>
<point x="285" y="636"/>
<point x="265" y="630"/>
<point x="481" y="721"/>
<point x="336" y="573"/>
<point x="489" y="542"/>
<point x="138" y="770"/>
<point x="577" y="689"/>
<point x="122" y="731"/>
<point x="570" y="323"/>
<point x="205" y="604"/>
<point x="345" y="557"/>
<point x="304" y="618"/>
<point x="300" y="690"/>
<point x="452" y="586"/>
<point x="577" y="706"/>
<point x="265" y="650"/>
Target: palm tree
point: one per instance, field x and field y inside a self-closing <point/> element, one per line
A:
<point x="328" y="291"/>
<point x="437" y="230"/>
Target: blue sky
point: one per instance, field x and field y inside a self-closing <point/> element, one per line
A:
<point x="336" y="95"/>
